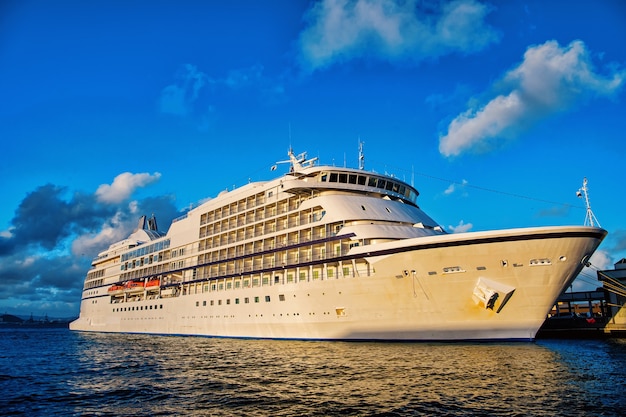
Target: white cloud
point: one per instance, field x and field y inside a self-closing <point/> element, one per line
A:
<point x="453" y="187"/>
<point x="93" y="242"/>
<point x="550" y="79"/>
<point x="244" y="77"/>
<point x="340" y="30"/>
<point x="179" y="98"/>
<point x="123" y="186"/>
<point x="461" y="227"/>
<point x="114" y="229"/>
<point x="192" y="94"/>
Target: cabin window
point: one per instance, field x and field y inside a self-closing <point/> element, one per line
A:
<point x="333" y="177"/>
<point x="246" y="300"/>
<point x="256" y="299"/>
<point x="236" y="300"/>
<point x="352" y="179"/>
<point x="343" y="178"/>
<point x="323" y="177"/>
<point x="267" y="298"/>
<point x="361" y="179"/>
<point x="204" y="303"/>
<point x="281" y="297"/>
<point x="452" y="269"/>
<point x="381" y="183"/>
<point x="372" y="182"/>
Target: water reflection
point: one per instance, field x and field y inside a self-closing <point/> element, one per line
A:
<point x="146" y="375"/>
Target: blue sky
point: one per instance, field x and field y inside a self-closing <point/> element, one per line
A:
<point x="495" y="110"/>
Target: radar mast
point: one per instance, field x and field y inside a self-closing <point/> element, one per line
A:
<point x="590" y="218"/>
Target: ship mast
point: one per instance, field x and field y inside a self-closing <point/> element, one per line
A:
<point x="361" y="156"/>
<point x="590" y="218"/>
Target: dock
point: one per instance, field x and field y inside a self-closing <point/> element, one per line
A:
<point x="595" y="314"/>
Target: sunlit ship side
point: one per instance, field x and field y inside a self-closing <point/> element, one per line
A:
<point x="330" y="253"/>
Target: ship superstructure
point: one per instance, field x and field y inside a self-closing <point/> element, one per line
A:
<point x="330" y="253"/>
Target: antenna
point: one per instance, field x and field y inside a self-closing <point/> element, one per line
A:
<point x="590" y="218"/>
<point x="361" y="155"/>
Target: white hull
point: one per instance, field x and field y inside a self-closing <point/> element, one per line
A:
<point x="425" y="288"/>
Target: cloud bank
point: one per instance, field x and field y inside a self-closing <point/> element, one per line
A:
<point x="408" y="31"/>
<point x="550" y="79"/>
<point x="54" y="234"/>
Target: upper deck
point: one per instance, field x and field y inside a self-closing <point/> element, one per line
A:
<point x="323" y="178"/>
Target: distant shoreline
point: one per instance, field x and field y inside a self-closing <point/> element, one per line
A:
<point x="36" y="325"/>
<point x="8" y="321"/>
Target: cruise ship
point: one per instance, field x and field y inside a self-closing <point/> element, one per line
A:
<point x="330" y="253"/>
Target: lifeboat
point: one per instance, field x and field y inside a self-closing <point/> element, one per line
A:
<point x="116" y="289"/>
<point x="153" y="284"/>
<point x="133" y="286"/>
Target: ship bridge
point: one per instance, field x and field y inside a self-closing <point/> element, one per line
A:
<point x="311" y="181"/>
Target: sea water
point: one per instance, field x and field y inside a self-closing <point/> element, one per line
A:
<point x="45" y="372"/>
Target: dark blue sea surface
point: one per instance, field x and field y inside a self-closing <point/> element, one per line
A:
<point x="56" y="372"/>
